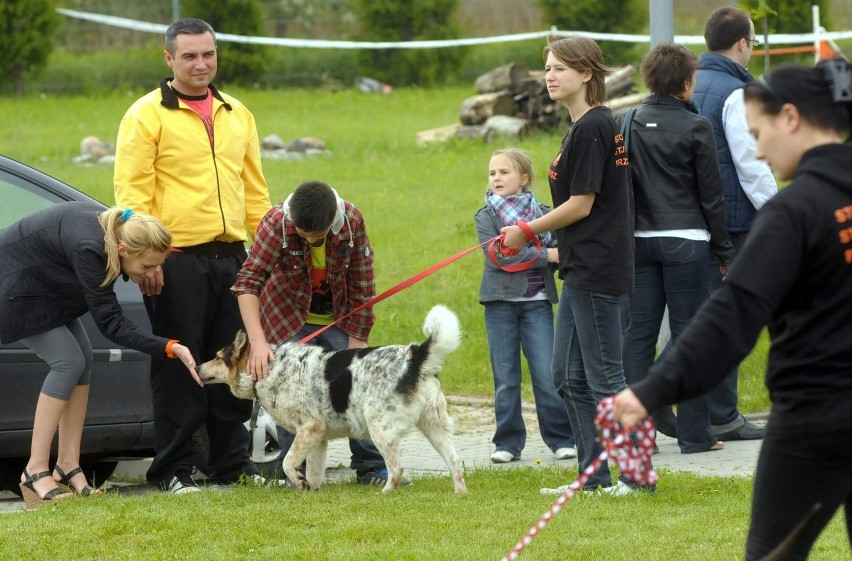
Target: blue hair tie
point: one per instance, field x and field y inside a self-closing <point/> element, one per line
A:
<point x="126" y="214"/>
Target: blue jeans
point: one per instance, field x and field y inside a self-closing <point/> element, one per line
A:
<point x="512" y="326"/>
<point x="587" y="366"/>
<point x="669" y="271"/>
<point x="722" y="400"/>
<point x="365" y="455"/>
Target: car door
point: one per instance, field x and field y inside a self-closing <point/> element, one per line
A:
<point x="119" y="419"/>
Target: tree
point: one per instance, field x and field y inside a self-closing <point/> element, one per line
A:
<point x="788" y="16"/>
<point x="27" y="34"/>
<point x="239" y="63"/>
<point x="760" y="16"/>
<point x="630" y="16"/>
<point x="409" y="20"/>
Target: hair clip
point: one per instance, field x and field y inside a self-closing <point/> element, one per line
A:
<point x="838" y="74"/>
<point x="126" y="214"/>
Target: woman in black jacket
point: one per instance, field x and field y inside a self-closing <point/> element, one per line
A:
<point x="680" y="219"/>
<point x="58" y="264"/>
<point x="794" y="275"/>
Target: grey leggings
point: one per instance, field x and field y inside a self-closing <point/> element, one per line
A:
<point x="68" y="352"/>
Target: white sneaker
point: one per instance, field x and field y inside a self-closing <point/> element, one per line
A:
<point x="557" y="491"/>
<point x="622" y="489"/>
<point x="182" y="484"/>
<point x="565" y="453"/>
<point x="503" y="457"/>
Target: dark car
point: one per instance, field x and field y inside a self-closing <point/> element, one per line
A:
<point x="119" y="421"/>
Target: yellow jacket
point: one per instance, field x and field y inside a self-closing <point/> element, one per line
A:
<point x="164" y="166"/>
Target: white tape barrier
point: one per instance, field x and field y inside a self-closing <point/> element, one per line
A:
<point x="147" y="27"/>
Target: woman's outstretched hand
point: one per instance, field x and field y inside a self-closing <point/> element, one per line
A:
<point x="185" y="357"/>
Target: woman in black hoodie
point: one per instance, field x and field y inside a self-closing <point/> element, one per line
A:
<point x="794" y="275"/>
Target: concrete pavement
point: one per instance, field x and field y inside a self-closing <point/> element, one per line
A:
<point x="474" y="420"/>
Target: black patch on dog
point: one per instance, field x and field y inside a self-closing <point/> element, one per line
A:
<point x="408" y="383"/>
<point x="339" y="378"/>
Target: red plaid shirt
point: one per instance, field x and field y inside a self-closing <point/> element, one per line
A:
<point x="278" y="271"/>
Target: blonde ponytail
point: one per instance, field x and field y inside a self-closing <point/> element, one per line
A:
<point x="138" y="232"/>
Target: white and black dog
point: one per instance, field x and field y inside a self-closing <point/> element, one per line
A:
<point x="380" y="393"/>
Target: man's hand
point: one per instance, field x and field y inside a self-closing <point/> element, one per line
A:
<point x="355" y="343"/>
<point x="153" y="286"/>
<point x="259" y="358"/>
<point x="627" y="410"/>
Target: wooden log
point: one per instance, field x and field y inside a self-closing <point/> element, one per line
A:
<point x="619" y="82"/>
<point x="620" y="103"/>
<point x="475" y="110"/>
<point x="439" y="134"/>
<point x="506" y="77"/>
<point x="502" y="125"/>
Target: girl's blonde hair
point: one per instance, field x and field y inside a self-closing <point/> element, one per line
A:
<point x="521" y="161"/>
<point x="138" y="232"/>
<point x="582" y="54"/>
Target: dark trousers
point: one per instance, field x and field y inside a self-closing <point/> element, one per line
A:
<point x="722" y="400"/>
<point x="669" y="271"/>
<point x="197" y="307"/>
<point x="796" y="470"/>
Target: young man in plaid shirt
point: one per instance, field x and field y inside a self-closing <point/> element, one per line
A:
<point x="311" y="263"/>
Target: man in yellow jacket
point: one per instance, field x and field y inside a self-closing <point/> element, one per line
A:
<point x="189" y="155"/>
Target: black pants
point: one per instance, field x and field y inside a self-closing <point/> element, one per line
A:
<point x="796" y="470"/>
<point x="197" y="307"/>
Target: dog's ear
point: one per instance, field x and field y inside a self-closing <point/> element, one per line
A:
<point x="240" y="341"/>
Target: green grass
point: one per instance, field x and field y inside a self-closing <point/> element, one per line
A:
<point x="690" y="517"/>
<point x="419" y="202"/>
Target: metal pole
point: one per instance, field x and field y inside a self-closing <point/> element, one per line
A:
<point x="175" y="10"/>
<point x="662" y="21"/>
<point x="816" y="30"/>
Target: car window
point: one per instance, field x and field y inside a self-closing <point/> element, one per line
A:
<point x="19" y="198"/>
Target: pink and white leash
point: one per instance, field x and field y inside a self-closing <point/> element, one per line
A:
<point x="633" y="461"/>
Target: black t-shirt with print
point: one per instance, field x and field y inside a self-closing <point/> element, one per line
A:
<point x="595" y="253"/>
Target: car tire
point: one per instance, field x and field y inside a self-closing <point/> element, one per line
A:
<point x="10" y="474"/>
<point x="97" y="471"/>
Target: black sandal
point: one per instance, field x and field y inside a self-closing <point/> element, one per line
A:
<point x="31" y="496"/>
<point x="65" y="481"/>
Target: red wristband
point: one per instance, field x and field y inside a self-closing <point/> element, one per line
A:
<point x="169" y="346"/>
<point x="526" y="229"/>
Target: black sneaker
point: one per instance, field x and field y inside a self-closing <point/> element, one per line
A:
<point x="180" y="484"/>
<point x="378" y="477"/>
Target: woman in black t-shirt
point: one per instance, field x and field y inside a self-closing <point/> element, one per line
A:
<point x="794" y="275"/>
<point x="594" y="232"/>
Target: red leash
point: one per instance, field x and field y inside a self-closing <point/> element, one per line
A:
<point x="496" y="240"/>
<point x="634" y="462"/>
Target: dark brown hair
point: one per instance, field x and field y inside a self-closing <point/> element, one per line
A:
<point x="725" y="26"/>
<point x="583" y="54"/>
<point x="667" y="68"/>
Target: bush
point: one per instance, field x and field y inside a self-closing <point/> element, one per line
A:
<point x="407" y="20"/>
<point x="26" y="38"/>
<point x="239" y="63"/>
<point x="630" y="16"/>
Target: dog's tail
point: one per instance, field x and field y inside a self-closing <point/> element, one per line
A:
<point x="442" y="329"/>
